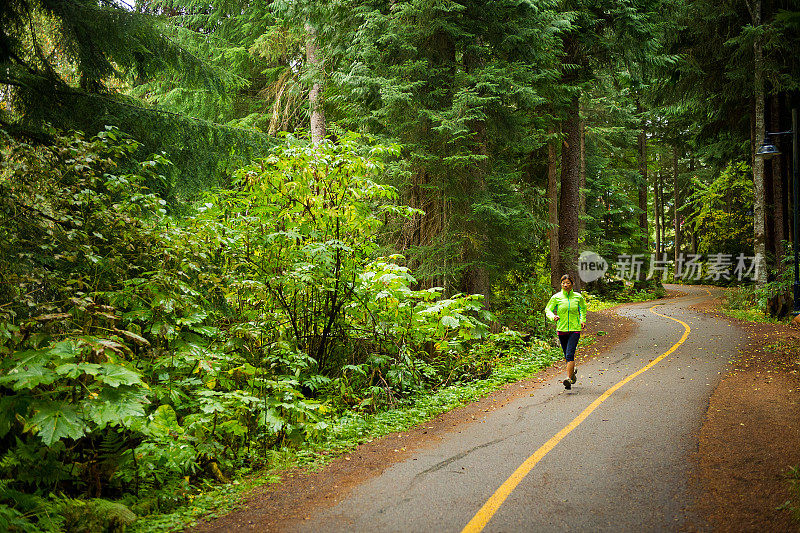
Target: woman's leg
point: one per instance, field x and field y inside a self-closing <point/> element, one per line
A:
<point x="569" y="352"/>
<point x="563" y="338"/>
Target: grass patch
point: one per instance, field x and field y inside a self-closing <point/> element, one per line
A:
<point x="746" y="303"/>
<point x="207" y="502"/>
<point x="752" y="315"/>
<point x="595" y="304"/>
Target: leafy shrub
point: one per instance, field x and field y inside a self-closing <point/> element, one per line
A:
<point x="72" y="229"/>
<point x="741" y="298"/>
<point x="522" y="307"/>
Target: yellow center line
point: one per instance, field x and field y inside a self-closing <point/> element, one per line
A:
<point x="488" y="510"/>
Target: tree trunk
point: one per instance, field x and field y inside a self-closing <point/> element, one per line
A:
<point x="786" y="185"/>
<point x="778" y="196"/>
<point x="569" y="197"/>
<point x="582" y="183"/>
<point x="657" y="211"/>
<point x="552" y="210"/>
<point x="687" y="233"/>
<point x="676" y="218"/>
<point x="477" y="279"/>
<point x="642" y="157"/>
<point x="662" y="209"/>
<point x="314" y="59"/>
<point x="778" y="304"/>
<point x="757" y="137"/>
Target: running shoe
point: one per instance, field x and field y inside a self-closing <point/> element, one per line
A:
<point x="574" y="377"/>
<point x="567" y="384"/>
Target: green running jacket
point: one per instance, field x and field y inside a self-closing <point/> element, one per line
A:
<point x="570" y="308"/>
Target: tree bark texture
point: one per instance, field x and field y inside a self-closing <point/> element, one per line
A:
<point x="778" y="198"/>
<point x="552" y="208"/>
<point x="778" y="304"/>
<point x="656" y="210"/>
<point x="676" y="217"/>
<point x="687" y="232"/>
<point x="422" y="229"/>
<point x="757" y="137"/>
<point x="476" y="277"/>
<point x="642" y="160"/>
<point x="569" y="196"/>
<point x="663" y="212"/>
<point x="582" y="184"/>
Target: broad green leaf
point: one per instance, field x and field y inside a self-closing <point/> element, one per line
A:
<point x="115" y="406"/>
<point x="116" y="375"/>
<point x="66" y="349"/>
<point x="138" y="314"/>
<point x="194" y="318"/>
<point x="74" y="370"/>
<point x="450" y="321"/>
<point x="30" y="370"/>
<point x="233" y="427"/>
<point x="57" y="421"/>
<point x="211" y="405"/>
<point x="164" y="421"/>
<point x="272" y="420"/>
<point x="206" y="331"/>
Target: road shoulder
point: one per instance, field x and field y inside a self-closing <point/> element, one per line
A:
<point x="751" y="433"/>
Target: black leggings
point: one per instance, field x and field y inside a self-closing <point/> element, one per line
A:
<point x="569" y="341"/>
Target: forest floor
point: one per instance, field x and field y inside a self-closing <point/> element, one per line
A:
<point x="749" y="440"/>
<point x="751" y="435"/>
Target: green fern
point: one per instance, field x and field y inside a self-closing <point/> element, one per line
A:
<point x="89" y="516"/>
<point x="12" y="520"/>
<point x="29" y="463"/>
<point x="18" y="509"/>
<point x="112" y="447"/>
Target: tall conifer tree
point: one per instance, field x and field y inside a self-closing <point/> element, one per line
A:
<point x="456" y="84"/>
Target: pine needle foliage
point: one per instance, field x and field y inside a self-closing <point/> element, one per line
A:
<point x="79" y="55"/>
<point x="225" y="31"/>
<point x="457" y="84"/>
<point x="98" y="39"/>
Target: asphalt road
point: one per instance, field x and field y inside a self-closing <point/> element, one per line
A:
<point x="624" y="467"/>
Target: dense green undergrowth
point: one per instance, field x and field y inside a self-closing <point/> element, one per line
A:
<point x="147" y="357"/>
<point x="757" y="304"/>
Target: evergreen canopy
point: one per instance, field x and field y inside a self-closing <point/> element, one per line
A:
<point x="64" y="63"/>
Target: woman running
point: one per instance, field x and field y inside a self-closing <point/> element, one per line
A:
<point x="568" y="309"/>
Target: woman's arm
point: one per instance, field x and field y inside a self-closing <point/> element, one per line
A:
<point x="583" y="310"/>
<point x="551" y="306"/>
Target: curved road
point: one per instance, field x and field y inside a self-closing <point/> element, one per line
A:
<point x="624" y="466"/>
